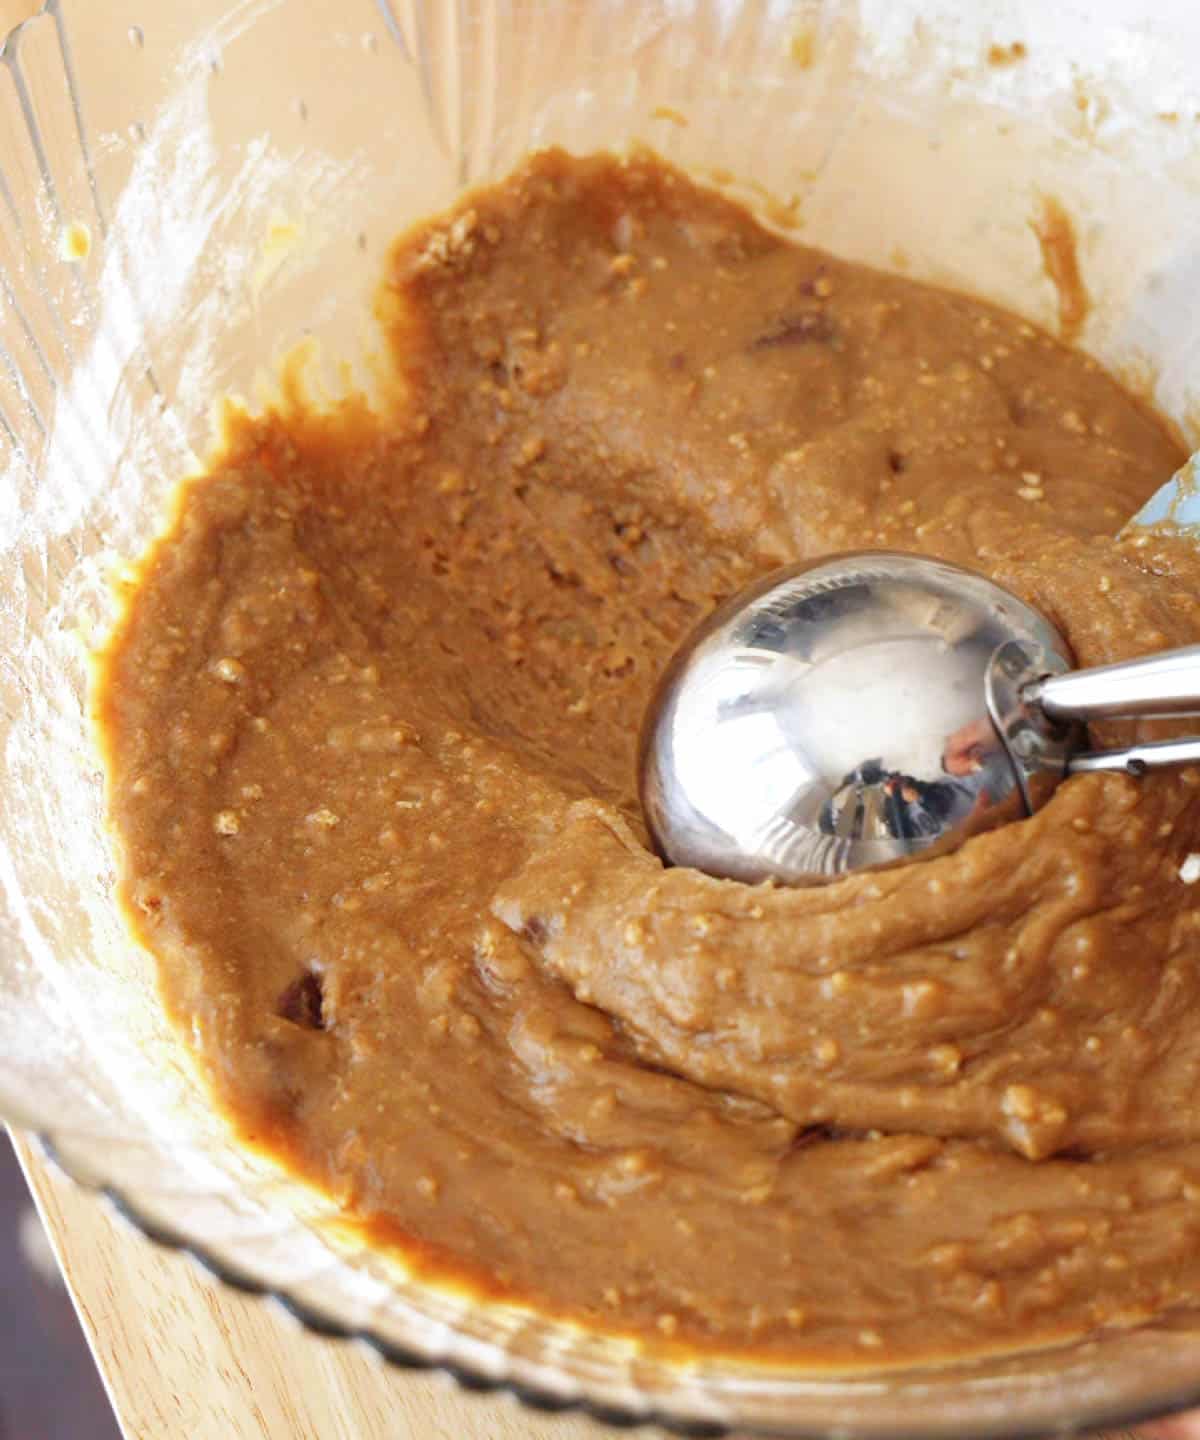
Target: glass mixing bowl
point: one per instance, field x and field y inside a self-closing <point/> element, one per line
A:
<point x="189" y="189"/>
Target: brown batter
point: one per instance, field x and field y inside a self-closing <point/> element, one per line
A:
<point x="371" y="720"/>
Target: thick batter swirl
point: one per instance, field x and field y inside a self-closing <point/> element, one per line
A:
<point x="370" y="721"/>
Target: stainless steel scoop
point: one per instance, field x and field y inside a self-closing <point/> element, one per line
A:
<point x="875" y="706"/>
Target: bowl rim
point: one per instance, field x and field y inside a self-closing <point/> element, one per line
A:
<point x="475" y="1381"/>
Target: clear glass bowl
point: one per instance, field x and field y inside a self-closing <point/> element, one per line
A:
<point x="190" y="187"/>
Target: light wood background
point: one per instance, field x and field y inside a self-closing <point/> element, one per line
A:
<point x="184" y="1359"/>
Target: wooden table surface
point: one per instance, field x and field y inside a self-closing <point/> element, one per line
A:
<point x="184" y="1359"/>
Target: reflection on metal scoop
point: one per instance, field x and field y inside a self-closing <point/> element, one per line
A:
<point x="872" y="707"/>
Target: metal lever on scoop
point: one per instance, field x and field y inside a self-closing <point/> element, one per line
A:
<point x="1137" y="759"/>
<point x="1154" y="687"/>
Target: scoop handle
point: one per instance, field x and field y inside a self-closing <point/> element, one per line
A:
<point x="1154" y="687"/>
